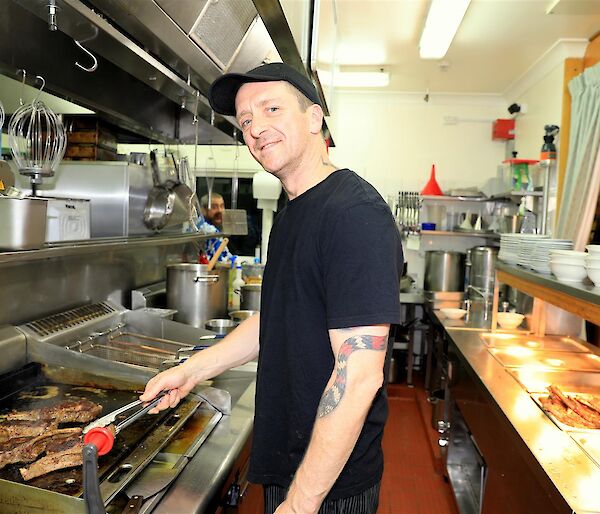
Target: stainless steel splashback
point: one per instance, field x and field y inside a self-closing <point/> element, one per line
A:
<point x="117" y="190"/>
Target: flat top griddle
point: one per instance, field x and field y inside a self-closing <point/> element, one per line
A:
<point x="32" y="390"/>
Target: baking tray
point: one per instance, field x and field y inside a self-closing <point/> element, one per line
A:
<point x="536" y="397"/>
<point x="538" y="380"/>
<point x="516" y="357"/>
<point x="546" y="343"/>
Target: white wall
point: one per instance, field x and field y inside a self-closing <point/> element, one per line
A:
<point x="393" y="139"/>
<point x="544" y="107"/>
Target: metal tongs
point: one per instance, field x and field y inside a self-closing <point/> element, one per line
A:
<point x="101" y="433"/>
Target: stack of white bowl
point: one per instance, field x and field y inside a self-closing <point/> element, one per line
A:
<point x="569" y="265"/>
<point x="592" y="264"/>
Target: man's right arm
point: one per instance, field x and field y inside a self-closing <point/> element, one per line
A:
<point x="239" y="347"/>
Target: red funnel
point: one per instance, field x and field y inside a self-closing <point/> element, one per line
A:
<point x="432" y="188"/>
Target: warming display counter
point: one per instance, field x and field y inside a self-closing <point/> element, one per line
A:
<point x="513" y="446"/>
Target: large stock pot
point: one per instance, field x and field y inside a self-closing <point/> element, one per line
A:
<point x="196" y="293"/>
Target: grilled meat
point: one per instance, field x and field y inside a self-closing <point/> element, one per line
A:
<point x="10" y="430"/>
<point x="65" y="455"/>
<point x="571" y="410"/>
<point x="563" y="414"/>
<point x="77" y="410"/>
<point x="592" y="401"/>
<point x="31" y="449"/>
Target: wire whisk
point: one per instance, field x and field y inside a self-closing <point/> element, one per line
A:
<point x="37" y="139"/>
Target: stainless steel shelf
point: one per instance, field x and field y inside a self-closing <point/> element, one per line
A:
<point x="487" y="235"/>
<point x="580" y="291"/>
<point x="56" y="250"/>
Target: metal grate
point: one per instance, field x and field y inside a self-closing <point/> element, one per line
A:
<point x="68" y="319"/>
<point x="221" y="27"/>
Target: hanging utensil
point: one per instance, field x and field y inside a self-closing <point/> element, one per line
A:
<point x="235" y="221"/>
<point x="37" y="140"/>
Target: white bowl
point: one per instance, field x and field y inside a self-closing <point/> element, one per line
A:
<point x="568" y="272"/>
<point x="510" y="320"/>
<point x="563" y="259"/>
<point x="594" y="275"/>
<point x="593" y="249"/>
<point x="453" y="313"/>
<point x="568" y="253"/>
<point x="593" y="259"/>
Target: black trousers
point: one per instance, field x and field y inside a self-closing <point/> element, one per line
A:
<point x="362" y="503"/>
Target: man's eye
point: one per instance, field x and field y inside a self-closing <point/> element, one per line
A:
<point x="273" y="109"/>
<point x="245" y="123"/>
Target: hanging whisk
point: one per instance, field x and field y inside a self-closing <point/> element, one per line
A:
<point x="37" y="140"/>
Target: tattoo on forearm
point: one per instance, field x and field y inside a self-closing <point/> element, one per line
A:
<point x="332" y="397"/>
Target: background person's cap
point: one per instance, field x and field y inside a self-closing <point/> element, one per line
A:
<point x="223" y="90"/>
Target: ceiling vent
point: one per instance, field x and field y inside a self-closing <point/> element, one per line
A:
<point x="208" y="30"/>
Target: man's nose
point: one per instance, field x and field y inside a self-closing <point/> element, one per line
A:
<point x="258" y="126"/>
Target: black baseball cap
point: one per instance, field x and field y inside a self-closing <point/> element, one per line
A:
<point x="221" y="94"/>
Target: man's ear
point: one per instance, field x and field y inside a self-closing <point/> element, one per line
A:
<point x="316" y="118"/>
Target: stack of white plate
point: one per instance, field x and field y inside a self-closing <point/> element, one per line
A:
<point x="511" y="244"/>
<point x="536" y="254"/>
<point x="568" y="265"/>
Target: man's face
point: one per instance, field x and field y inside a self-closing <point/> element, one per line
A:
<point x="275" y="129"/>
<point x="214" y="212"/>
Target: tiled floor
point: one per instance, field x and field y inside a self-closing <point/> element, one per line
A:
<point x="412" y="483"/>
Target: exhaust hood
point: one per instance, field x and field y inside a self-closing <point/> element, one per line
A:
<point x="156" y="59"/>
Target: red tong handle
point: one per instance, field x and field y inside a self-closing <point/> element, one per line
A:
<point x="102" y="438"/>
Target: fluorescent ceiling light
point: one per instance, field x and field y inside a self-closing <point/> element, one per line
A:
<point x="354" y="78"/>
<point x="441" y="25"/>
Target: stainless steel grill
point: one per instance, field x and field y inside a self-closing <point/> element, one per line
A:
<point x="106" y="353"/>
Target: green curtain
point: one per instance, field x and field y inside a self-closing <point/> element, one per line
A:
<point x="582" y="178"/>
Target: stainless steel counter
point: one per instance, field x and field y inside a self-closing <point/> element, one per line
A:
<point x="574" y="474"/>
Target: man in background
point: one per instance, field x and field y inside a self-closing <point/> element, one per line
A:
<point x="211" y="222"/>
<point x="213" y="213"/>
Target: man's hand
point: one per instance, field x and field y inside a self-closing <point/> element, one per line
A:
<point x="176" y="380"/>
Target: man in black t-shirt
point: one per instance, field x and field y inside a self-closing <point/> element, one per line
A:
<point x="329" y="295"/>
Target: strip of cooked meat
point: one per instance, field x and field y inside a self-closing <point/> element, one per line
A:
<point x="22" y="429"/>
<point x="70" y="455"/>
<point x="78" y="410"/>
<point x="584" y="411"/>
<point x="591" y="400"/>
<point x="562" y="413"/>
<point x="29" y="450"/>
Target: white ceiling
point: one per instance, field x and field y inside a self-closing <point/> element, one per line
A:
<point x="497" y="42"/>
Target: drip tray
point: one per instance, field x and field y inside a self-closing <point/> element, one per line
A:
<point x="519" y="357"/>
<point x="547" y="343"/>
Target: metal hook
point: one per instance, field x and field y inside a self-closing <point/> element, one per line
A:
<point x="24" y="72"/>
<point x="94" y="66"/>
<point x="41" y="79"/>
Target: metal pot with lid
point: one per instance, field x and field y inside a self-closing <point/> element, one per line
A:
<point x="481" y="266"/>
<point x="196" y="293"/>
<point x="444" y="271"/>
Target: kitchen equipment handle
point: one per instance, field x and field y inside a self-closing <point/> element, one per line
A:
<point x="215" y="257"/>
<point x="212" y="279"/>
<point x="91" y="488"/>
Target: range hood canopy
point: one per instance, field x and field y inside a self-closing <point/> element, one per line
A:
<point x="156" y="59"/>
